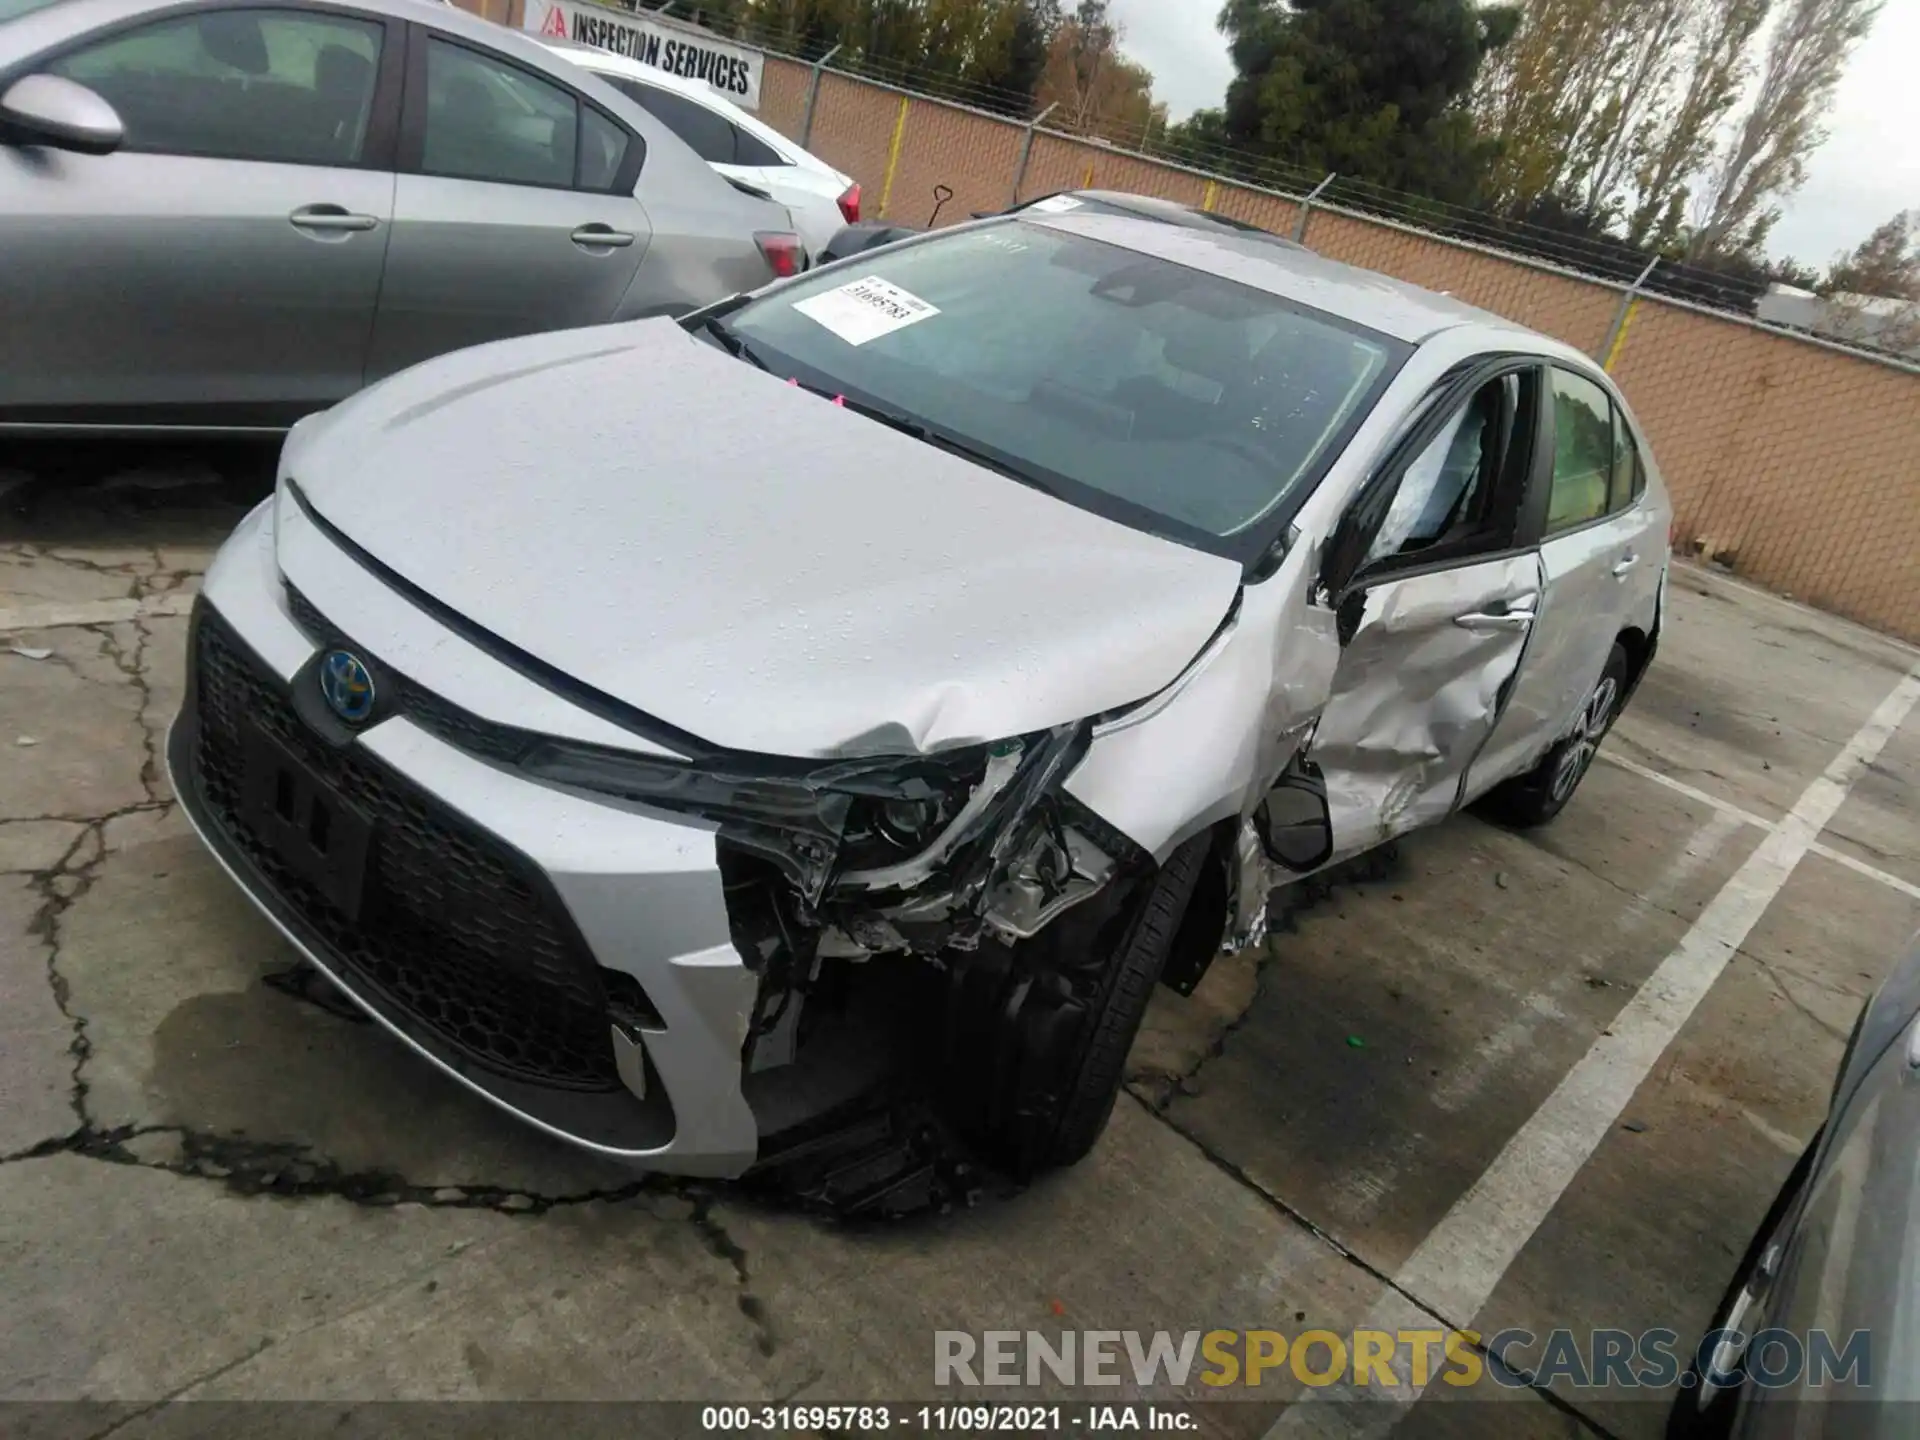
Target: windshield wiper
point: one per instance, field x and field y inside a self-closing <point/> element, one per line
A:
<point x="941" y="440"/>
<point x="732" y="343"/>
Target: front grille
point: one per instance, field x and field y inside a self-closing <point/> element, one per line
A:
<point x="455" y="929"/>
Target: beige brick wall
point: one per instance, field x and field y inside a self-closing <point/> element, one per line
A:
<point x="1799" y="463"/>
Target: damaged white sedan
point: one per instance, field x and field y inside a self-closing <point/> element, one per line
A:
<point x="668" y="728"/>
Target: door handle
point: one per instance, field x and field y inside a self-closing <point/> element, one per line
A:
<point x="1490" y="620"/>
<point x="331" y="218"/>
<point x="1500" y="615"/>
<point x="1625" y="563"/>
<point x="589" y="236"/>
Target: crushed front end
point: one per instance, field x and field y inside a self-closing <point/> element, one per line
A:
<point x="678" y="960"/>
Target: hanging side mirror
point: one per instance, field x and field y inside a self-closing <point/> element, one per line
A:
<point x="1294" y="822"/>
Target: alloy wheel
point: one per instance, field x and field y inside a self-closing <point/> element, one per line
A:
<point x="1595" y="716"/>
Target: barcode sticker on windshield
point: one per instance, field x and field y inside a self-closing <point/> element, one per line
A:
<point x="1055" y="205"/>
<point x="864" y="310"/>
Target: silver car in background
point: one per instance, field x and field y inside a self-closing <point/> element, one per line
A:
<point x="997" y="620"/>
<point x="228" y="215"/>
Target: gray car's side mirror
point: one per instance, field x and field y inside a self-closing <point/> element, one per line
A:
<point x="48" y="110"/>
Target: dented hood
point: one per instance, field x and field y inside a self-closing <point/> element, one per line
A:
<point x="743" y="559"/>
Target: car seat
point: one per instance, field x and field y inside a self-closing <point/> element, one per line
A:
<point x="343" y="82"/>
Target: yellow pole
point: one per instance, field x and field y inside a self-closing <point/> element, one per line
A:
<point x="1087" y="184"/>
<point x="893" y="155"/>
<point x="1620" y="340"/>
<point x="1206" y="201"/>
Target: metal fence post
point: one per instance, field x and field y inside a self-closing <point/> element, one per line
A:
<point x="1306" y="208"/>
<point x="1026" y="150"/>
<point x="1616" y="340"/>
<point x="893" y="153"/>
<point x="813" y="94"/>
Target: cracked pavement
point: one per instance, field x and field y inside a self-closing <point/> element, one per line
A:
<point x="211" y="1188"/>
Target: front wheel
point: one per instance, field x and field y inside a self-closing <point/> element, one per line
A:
<point x="1036" y="1037"/>
<point x="1543" y="792"/>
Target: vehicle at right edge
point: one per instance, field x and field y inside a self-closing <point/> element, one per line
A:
<point x="1816" y="1333"/>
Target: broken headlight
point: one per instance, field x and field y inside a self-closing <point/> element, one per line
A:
<point x="856" y="818"/>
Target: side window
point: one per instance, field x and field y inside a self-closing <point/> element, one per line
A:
<point x="1448" y="491"/>
<point x="285" y="86"/>
<point x="751" y="150"/>
<point x="1629" y="474"/>
<point x="1582" y="451"/>
<point x="487" y="120"/>
<point x="603" y="146"/>
<point x="708" y="132"/>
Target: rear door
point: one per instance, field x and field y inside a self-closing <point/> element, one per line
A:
<point x="1601" y="554"/>
<point x="734" y="152"/>
<point x="514" y="211"/>
<point x="1437" y="610"/>
<point x="222" y="266"/>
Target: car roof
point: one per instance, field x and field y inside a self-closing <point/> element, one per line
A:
<point x="1364" y="297"/>
<point x="1177" y="212"/>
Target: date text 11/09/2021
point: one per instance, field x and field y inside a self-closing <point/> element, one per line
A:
<point x="962" y="1419"/>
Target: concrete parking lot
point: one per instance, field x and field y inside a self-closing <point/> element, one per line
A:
<point x="1492" y="1080"/>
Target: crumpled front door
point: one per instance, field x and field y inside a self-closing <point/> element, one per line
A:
<point x="1417" y="692"/>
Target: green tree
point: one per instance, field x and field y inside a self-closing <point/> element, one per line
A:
<point x="1885" y="264"/>
<point x="1764" y="159"/>
<point x="1373" y="89"/>
<point x="1611" y="106"/>
<point x="1029" y="41"/>
<point x="989" y="52"/>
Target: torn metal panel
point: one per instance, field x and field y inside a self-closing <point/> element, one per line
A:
<point x="1417" y="693"/>
<point x="1597" y="581"/>
<point x="1190" y="760"/>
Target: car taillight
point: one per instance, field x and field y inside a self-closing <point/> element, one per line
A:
<point x="850" y="203"/>
<point x="785" y="255"/>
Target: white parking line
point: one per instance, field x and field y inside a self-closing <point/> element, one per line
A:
<point x="1727" y="807"/>
<point x="1457" y="1267"/>
<point x="55" y="614"/>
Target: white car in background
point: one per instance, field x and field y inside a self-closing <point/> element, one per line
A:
<point x="820" y="198"/>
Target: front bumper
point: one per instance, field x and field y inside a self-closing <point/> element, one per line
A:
<point x="499" y="916"/>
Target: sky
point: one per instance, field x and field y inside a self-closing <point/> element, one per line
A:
<point x="1868" y="169"/>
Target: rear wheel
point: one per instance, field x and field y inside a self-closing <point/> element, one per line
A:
<point x="1037" y="1036"/>
<point x="1543" y="792"/>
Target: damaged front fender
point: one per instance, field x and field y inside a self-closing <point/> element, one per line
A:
<point x="1190" y="760"/>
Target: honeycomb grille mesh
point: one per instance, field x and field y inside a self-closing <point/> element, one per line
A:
<point x="453" y="930"/>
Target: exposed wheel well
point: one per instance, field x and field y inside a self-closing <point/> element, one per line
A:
<point x="1639" y="646"/>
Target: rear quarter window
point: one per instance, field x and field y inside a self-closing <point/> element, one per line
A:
<point x="751" y="150"/>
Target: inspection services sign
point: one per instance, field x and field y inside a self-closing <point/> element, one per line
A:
<point x="695" y="55"/>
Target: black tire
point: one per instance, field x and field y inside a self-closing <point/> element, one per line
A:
<point x="1122" y="1007"/>
<point x="1543" y="792"/>
<point x="1035" y="1079"/>
<point x="1688" y="1419"/>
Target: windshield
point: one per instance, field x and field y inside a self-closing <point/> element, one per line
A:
<point x="1157" y="394"/>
